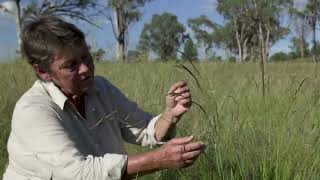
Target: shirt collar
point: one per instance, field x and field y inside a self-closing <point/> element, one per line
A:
<point x="57" y="95"/>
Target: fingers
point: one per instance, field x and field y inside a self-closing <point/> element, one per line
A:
<point x="182" y="93"/>
<point x="186" y="95"/>
<point x="175" y="86"/>
<point x="191" y="151"/>
<point x="188" y="162"/>
<point x="182" y="152"/>
<point x="186" y="103"/>
<point x="181" y="140"/>
<point x="194" y="146"/>
<point x="191" y="155"/>
<point x="182" y="89"/>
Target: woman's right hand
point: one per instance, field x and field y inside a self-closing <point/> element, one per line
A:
<point x="179" y="152"/>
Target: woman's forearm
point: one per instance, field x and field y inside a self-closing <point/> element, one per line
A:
<point x="176" y="153"/>
<point x="164" y="124"/>
<point x="142" y="164"/>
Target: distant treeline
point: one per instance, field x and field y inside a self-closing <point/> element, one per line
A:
<point x="249" y="30"/>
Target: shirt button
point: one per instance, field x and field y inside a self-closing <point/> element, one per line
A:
<point x="93" y="109"/>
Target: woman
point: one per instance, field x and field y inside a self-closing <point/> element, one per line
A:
<point x="70" y="124"/>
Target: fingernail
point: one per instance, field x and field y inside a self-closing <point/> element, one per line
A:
<point x="191" y="137"/>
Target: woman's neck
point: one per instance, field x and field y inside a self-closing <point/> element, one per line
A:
<point x="78" y="102"/>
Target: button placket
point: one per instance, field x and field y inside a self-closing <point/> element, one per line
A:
<point x="93" y="108"/>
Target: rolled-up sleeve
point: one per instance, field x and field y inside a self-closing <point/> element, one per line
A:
<point x="49" y="151"/>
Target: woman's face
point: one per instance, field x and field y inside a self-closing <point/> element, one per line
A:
<point x="72" y="70"/>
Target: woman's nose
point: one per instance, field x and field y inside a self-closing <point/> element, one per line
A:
<point x="83" y="68"/>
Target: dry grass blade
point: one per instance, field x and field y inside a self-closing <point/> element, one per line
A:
<point x="201" y="108"/>
<point x="190" y="61"/>
<point x="300" y="85"/>
<point x="185" y="68"/>
<point x="173" y="94"/>
<point x="233" y="98"/>
<point x="117" y="116"/>
<point x="103" y="119"/>
<point x="294" y="97"/>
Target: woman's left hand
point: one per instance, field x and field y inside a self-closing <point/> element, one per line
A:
<point x="178" y="100"/>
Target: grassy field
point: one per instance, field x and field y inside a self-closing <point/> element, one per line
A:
<point x="246" y="137"/>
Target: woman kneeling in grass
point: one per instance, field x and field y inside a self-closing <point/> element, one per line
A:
<point x="70" y="124"/>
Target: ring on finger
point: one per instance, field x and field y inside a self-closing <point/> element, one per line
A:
<point x="183" y="149"/>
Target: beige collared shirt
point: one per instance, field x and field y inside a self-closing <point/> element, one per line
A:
<point x="51" y="140"/>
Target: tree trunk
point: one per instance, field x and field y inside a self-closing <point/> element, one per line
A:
<point x="18" y="28"/>
<point x="245" y="49"/>
<point x="261" y="42"/>
<point x="267" y="44"/>
<point x="302" y="42"/>
<point x="120" y="33"/>
<point x="120" y="51"/>
<point x="302" y="47"/>
<point x="313" y="22"/>
<point x="262" y="59"/>
<point x="239" y="46"/>
<point x="314" y="48"/>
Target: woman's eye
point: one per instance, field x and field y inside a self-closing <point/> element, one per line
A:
<point x="69" y="65"/>
<point x="87" y="60"/>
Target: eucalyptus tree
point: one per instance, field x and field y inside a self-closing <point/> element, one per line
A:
<point x="258" y="21"/>
<point x="209" y="34"/>
<point x="238" y="23"/>
<point x="13" y="7"/>
<point x="190" y="51"/>
<point x="255" y="22"/>
<point x="76" y="9"/>
<point x="300" y="28"/>
<point x="203" y="29"/>
<point x="313" y="15"/>
<point x="299" y="47"/>
<point x="163" y="36"/>
<point x="266" y="16"/>
<point x="224" y="37"/>
<point x="84" y="10"/>
<point x="121" y="14"/>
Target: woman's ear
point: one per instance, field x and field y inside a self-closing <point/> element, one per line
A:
<point x="41" y="73"/>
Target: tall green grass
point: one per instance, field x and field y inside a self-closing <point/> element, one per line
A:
<point x="246" y="137"/>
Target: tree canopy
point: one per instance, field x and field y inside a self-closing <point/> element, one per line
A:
<point x="163" y="36"/>
<point x="190" y="51"/>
